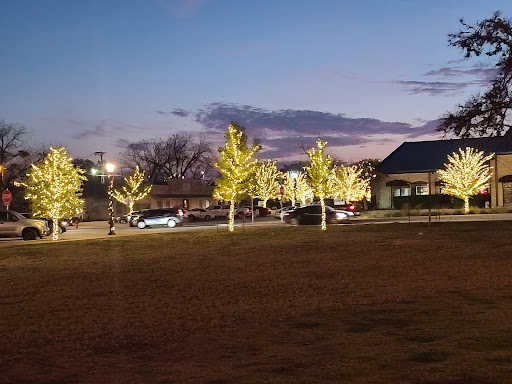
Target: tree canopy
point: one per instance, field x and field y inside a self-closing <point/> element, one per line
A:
<point x="466" y="174"/>
<point x="484" y="114"/>
<point x="53" y="187"/>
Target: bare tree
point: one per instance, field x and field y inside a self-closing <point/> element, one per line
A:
<point x="15" y="156"/>
<point x="176" y="156"/>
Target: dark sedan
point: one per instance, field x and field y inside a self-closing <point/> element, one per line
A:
<point x="312" y="215"/>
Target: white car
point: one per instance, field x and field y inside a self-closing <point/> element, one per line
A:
<point x="219" y="210"/>
<point x="13" y="224"/>
<point x="200" y="214"/>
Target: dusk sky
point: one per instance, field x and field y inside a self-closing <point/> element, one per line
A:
<point x="96" y="75"/>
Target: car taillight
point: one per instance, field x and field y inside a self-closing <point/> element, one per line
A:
<point x="352" y="207"/>
<point x="180" y="212"/>
<point x="286" y="214"/>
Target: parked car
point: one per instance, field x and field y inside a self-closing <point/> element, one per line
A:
<point x="243" y="211"/>
<point x="261" y="211"/>
<point x="247" y="211"/>
<point x="312" y="215"/>
<point x="13" y="224"/>
<point x="280" y="212"/>
<point x="160" y="216"/>
<point x="355" y="208"/>
<point x="133" y="218"/>
<point x="200" y="214"/>
<point x="219" y="210"/>
<point x="49" y="223"/>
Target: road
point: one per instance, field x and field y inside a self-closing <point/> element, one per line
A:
<point x="100" y="229"/>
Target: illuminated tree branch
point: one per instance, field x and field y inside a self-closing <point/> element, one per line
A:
<point x="133" y="191"/>
<point x="264" y="184"/>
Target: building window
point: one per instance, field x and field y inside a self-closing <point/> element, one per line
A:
<point x="422" y="189"/>
<point x="400" y="191"/>
<point x="185" y="203"/>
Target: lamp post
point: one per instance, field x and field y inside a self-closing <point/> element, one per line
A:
<point x="109" y="167"/>
<point x="2" y="169"/>
<point x="294" y="175"/>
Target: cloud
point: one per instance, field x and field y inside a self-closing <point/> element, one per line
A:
<point x="432" y="88"/>
<point x="284" y="133"/>
<point x="105" y="128"/>
<point x="183" y="8"/>
<point x="482" y="74"/>
<point x="486" y="74"/>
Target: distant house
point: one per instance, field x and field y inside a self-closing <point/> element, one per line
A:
<point x="186" y="193"/>
<point x="411" y="170"/>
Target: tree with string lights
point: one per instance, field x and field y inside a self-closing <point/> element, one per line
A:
<point x="53" y="188"/>
<point x="297" y="189"/>
<point x="350" y="185"/>
<point x="134" y="190"/>
<point x="264" y="183"/>
<point x="236" y="166"/>
<point x="320" y="175"/>
<point x="466" y="174"/>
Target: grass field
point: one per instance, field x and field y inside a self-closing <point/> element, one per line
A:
<point x="397" y="303"/>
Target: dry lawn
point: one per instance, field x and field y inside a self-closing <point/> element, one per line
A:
<point x="398" y="303"/>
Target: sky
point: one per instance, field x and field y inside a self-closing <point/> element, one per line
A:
<point x="365" y="76"/>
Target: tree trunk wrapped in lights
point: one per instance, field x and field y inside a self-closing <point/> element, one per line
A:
<point x="236" y="166"/>
<point x="264" y="184"/>
<point x="53" y="188"/>
<point x="320" y="175"/>
<point x="466" y="174"/>
<point x="133" y="191"/>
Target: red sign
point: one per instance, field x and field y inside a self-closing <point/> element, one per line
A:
<point x="6" y="196"/>
<point x="281" y="190"/>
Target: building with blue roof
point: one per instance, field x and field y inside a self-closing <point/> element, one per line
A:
<point x="412" y="169"/>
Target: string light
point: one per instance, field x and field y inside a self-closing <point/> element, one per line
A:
<point x="466" y="174"/>
<point x="264" y="184"/>
<point x="53" y="188"/>
<point x="350" y="185"/>
<point x="133" y="191"/>
<point x="297" y="188"/>
<point x="236" y="166"/>
<point x="320" y="175"/>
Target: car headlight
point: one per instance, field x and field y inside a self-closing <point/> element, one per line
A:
<point x="340" y="216"/>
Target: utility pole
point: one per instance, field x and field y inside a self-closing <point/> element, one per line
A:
<point x="100" y="155"/>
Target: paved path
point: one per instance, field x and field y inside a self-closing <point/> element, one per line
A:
<point x="100" y="229"/>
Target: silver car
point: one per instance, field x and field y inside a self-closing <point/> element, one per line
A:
<point x="14" y="224"/>
<point x="170" y="217"/>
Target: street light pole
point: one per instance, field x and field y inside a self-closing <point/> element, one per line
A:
<point x="110" y="171"/>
